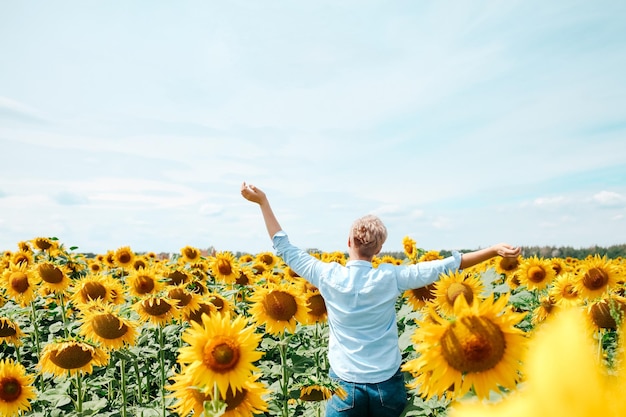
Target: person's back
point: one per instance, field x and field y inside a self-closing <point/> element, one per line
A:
<point x="363" y="347"/>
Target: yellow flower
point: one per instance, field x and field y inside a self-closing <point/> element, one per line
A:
<point x="479" y="348"/>
<point x="245" y="401"/>
<point x="454" y="284"/>
<point x="16" y="389"/>
<point x="507" y="266"/>
<point x="53" y="277"/>
<point x="562" y="377"/>
<point x="316" y="307"/>
<point x="102" y="324"/>
<point x="596" y="277"/>
<point x="10" y="331"/>
<point x="279" y="307"/>
<point x="186" y="301"/>
<point x="59" y="358"/>
<point x="124" y="257"/>
<point x="224" y="267"/>
<point x="190" y="254"/>
<point x="44" y="244"/>
<point x="564" y="291"/>
<point x="156" y="310"/>
<point x="220" y="351"/>
<point x="20" y="283"/>
<point x="144" y="281"/>
<point x="189" y="398"/>
<point x="410" y="248"/>
<point x="21" y="257"/>
<point x="94" y="287"/>
<point x="535" y="273"/>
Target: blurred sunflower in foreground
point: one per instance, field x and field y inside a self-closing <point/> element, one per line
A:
<point x="16" y="390"/>
<point x="563" y="377"/>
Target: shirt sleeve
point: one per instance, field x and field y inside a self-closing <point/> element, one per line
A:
<point x="422" y="274"/>
<point x="303" y="263"/>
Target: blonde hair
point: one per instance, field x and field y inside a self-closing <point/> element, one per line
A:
<point x="368" y="235"/>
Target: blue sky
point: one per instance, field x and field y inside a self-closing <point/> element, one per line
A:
<point x="461" y="124"/>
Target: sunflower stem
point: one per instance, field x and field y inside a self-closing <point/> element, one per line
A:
<point x="162" y="366"/>
<point x="123" y="384"/>
<point x="282" y="345"/>
<point x="33" y="319"/>
<point x="62" y="304"/>
<point x="79" y="394"/>
<point x="138" y="376"/>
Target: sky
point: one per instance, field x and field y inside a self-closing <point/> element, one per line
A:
<point x="460" y="124"/>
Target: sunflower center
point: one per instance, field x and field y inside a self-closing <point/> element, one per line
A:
<point x="234" y="400"/>
<point x="569" y="291"/>
<point x="459" y="288"/>
<point x="221" y="354"/>
<point x="536" y="274"/>
<point x="197" y="315"/>
<point x="316" y="305"/>
<point x="595" y="278"/>
<point x="144" y="284"/>
<point x="156" y="306"/>
<point x="7" y="329"/>
<point x="177" y="277"/>
<point x="10" y="389"/>
<point x="43" y="244"/>
<point x="107" y="326"/>
<point x="473" y="344"/>
<point x="124" y="258"/>
<point x="424" y="293"/>
<point x="190" y="253"/>
<point x="94" y="291"/>
<point x="242" y="279"/>
<point x="71" y="357"/>
<point x="19" y="282"/>
<point x="181" y="295"/>
<point x="313" y="394"/>
<point x="217" y="302"/>
<point x="224" y="267"/>
<point x="50" y="273"/>
<point x="280" y="305"/>
<point x="509" y="264"/>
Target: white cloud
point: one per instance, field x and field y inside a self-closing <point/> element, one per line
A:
<point x="609" y="199"/>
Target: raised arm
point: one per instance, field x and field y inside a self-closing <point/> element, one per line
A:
<point x="502" y="249"/>
<point x="252" y="193"/>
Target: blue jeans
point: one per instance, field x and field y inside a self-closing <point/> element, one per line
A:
<point x="382" y="399"/>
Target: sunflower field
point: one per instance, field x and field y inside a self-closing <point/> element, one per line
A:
<point x="129" y="334"/>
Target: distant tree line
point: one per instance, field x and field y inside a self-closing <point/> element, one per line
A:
<point x="611" y="252"/>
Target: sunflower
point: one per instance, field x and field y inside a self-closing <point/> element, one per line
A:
<point x="562" y="376"/>
<point x="278" y="307"/>
<point x="44" y="244"/>
<point x="563" y="290"/>
<point x="196" y="315"/>
<point x="606" y="312"/>
<point x="16" y="388"/>
<point x="336" y="256"/>
<point x="245" y="401"/>
<point x="389" y="259"/>
<point x="596" y="277"/>
<point x="102" y="324"/>
<point x="190" y="254"/>
<point x="547" y="306"/>
<point x="20" y="283"/>
<point x="21" y="257"/>
<point x="222" y="305"/>
<point x="124" y="257"/>
<point x="267" y="258"/>
<point x="189" y="398"/>
<point x="506" y="266"/>
<point x="535" y="273"/>
<point x="220" y="351"/>
<point x="314" y="390"/>
<point x="156" y="309"/>
<point x="410" y="248"/>
<point x="316" y="307"/>
<point x="418" y="297"/>
<point x="479" y="348"/>
<point x="53" y="277"/>
<point x="453" y="284"/>
<point x="92" y="287"/>
<point x="177" y="276"/>
<point x="246" y="276"/>
<point x="141" y="262"/>
<point x="186" y="301"/>
<point x="431" y="255"/>
<point x="224" y="267"/>
<point x="73" y="356"/>
<point x="10" y="331"/>
<point x="143" y="281"/>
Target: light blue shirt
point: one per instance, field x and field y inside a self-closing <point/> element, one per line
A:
<point x="360" y="301"/>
